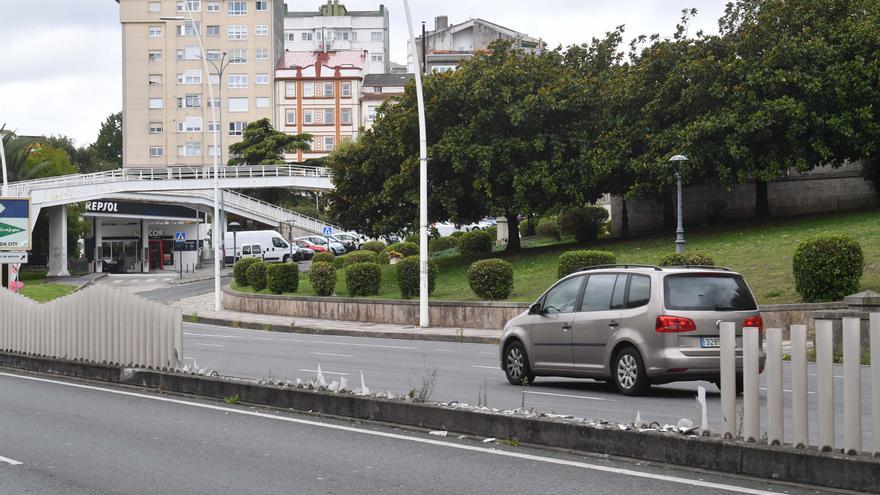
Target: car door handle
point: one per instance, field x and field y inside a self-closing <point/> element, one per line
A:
<point x="566" y="326"/>
<point x="613" y="324"/>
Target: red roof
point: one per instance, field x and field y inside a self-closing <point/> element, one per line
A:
<point x="331" y="60"/>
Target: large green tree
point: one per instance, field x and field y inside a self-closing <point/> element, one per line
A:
<point x="107" y="149"/>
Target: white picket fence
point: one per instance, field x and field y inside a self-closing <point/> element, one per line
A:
<point x="97" y="324"/>
<point x="851" y="419"/>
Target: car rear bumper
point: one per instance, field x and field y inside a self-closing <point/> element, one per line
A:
<point x="672" y="365"/>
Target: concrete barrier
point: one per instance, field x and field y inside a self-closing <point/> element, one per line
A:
<point x="781" y="463"/>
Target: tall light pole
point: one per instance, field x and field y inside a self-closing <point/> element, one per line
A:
<point x="5" y="190"/>
<point x="424" y="318"/>
<point x="677" y="162"/>
<point x="215" y="230"/>
<point x="233" y="226"/>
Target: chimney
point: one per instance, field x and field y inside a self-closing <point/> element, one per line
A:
<point x="441" y="22"/>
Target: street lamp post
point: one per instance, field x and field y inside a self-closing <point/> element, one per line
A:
<point x="679" y="232"/>
<point x="290" y="223"/>
<point x="233" y="226"/>
<point x="215" y="231"/>
<point x="5" y="190"/>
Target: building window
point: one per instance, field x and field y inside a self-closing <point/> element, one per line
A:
<point x="189" y="6"/>
<point x="236" y="32"/>
<point x="262" y="54"/>
<point x="212" y="150"/>
<point x="155" y="103"/>
<point x="190" y="149"/>
<point x="377" y="36"/>
<point x="156" y="128"/>
<point x="371" y="114"/>
<point x="215" y="103"/>
<point x="318" y="35"/>
<point x="308" y="90"/>
<point x="262" y="79"/>
<point x="329" y="143"/>
<point x="238" y="56"/>
<point x="317" y="143"/>
<point x="190" y="124"/>
<point x="354" y="36"/>
<point x="155" y="31"/>
<point x="154" y="7"/>
<point x="155" y="79"/>
<point x="340" y="35"/>
<point x="308" y="116"/>
<point x="290" y="37"/>
<point x="377" y="57"/>
<point x="345" y="116"/>
<point x="213" y="55"/>
<point x="154" y="55"/>
<point x="263" y="102"/>
<point x="238" y="104"/>
<point x="346" y="89"/>
<point x="305" y="36"/>
<point x="190" y="77"/>
<point x="237" y="128"/>
<point x="213" y="126"/>
<point x="213" y="79"/>
<point x="236" y="7"/>
<point x="261" y="6"/>
<point x="377" y="89"/>
<point x="238" y="81"/>
<point x="189" y="101"/>
<point x="213" y="6"/>
<point x="157" y="151"/>
<point x="442" y="68"/>
<point x="328" y="89"/>
<point x="189" y="28"/>
<point x="289" y="89"/>
<point x="261" y="30"/>
<point x="290" y="116"/>
<point x="329" y="116"/>
<point x="213" y="30"/>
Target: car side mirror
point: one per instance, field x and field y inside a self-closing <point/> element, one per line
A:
<point x="535" y="309"/>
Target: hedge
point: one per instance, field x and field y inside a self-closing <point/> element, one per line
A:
<point x="282" y="278"/>
<point x="457" y="233"/>
<point x="572" y="261"/>
<point x="322" y="277"/>
<point x="408" y="276"/>
<point x="374" y="246"/>
<point x="324" y="256"/>
<point x="363" y="279"/>
<point x="359" y="257"/>
<point x="687" y="259"/>
<point x="239" y="271"/>
<point x="412" y="238"/>
<point x="256" y="276"/>
<point x="491" y="278"/>
<point x="475" y="243"/>
<point x="339" y="262"/>
<point x="585" y="222"/>
<point x="827" y="267"/>
<point x="442" y="244"/>
<point x="548" y="227"/>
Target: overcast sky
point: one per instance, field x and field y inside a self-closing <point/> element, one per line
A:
<point x="60" y="69"/>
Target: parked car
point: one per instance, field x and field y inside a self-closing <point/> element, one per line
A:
<point x="350" y="240"/>
<point x="632" y="325"/>
<point x="447" y="228"/>
<point x="314" y="248"/>
<point x="306" y="252"/>
<point x="267" y="245"/>
<point x="335" y="247"/>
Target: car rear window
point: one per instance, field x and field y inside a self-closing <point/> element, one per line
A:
<point x="708" y="292"/>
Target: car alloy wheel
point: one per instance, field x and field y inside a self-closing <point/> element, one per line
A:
<point x="627" y="371"/>
<point x="516" y="365"/>
<point x="515" y="362"/>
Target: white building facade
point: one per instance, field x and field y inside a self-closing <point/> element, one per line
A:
<point x="378" y="88"/>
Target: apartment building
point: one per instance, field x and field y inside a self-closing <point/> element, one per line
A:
<point x="376" y="90"/>
<point x="334" y="28"/>
<point x="167" y="111"/>
<point x="447" y="45"/>
<point x="318" y="93"/>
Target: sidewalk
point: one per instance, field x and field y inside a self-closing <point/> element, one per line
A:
<point x="199" y="309"/>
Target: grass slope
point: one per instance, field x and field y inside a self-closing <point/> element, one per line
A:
<point x="37" y="288"/>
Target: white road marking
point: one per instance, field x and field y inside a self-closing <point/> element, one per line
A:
<point x="443" y="350"/>
<point x="426" y="441"/>
<point x="149" y="280"/>
<point x="305" y="341"/>
<point x="570" y="396"/>
<point x="11" y="462"/>
<point x="117" y="281"/>
<point x="789" y="391"/>
<point x="322" y="371"/>
<point x="332" y="355"/>
<point x="489" y="353"/>
<point x="184" y="357"/>
<point x="210" y="345"/>
<point x="486" y="367"/>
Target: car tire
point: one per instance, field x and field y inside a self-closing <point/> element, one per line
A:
<point x="628" y="372"/>
<point x="516" y="364"/>
<point x="286" y="258"/>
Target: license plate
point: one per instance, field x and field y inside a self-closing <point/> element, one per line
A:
<point x="710" y="341"/>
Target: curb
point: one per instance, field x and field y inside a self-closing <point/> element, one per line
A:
<point x="178" y="281"/>
<point x="90" y="282"/>
<point x="805" y="466"/>
<point x="314" y="330"/>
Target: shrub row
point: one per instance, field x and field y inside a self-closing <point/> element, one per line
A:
<point x="827" y="267"/>
<point x="475" y="243"/>
<point x="438" y="244"/>
<point x="573" y="261"/>
<point x="322" y="277"/>
<point x="239" y="271"/>
<point x="687" y="259"/>
<point x="408" y="276"/>
<point x="282" y="278"/>
<point x="325" y="257"/>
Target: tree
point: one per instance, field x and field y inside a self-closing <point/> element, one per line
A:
<point x="107" y="148"/>
<point x="263" y="145"/>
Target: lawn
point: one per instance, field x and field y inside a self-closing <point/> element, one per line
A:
<point x="37" y="288"/>
<point x="761" y="251"/>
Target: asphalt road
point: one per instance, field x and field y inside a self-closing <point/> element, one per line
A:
<point x="64" y="437"/>
<point x="463" y="372"/>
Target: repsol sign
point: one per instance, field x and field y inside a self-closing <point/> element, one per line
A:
<point x="102" y="206"/>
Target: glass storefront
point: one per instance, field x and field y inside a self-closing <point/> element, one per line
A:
<point x="120" y="256"/>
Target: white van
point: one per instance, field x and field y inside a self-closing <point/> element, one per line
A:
<point x="267" y="245"/>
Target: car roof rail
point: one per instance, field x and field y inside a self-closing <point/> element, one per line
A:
<point x="628" y="265"/>
<point x="703" y="267"/>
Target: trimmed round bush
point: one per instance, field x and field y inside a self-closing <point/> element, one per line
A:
<point x="827" y="267"/>
<point x="256" y="276"/>
<point x="408" y="276"/>
<point x="359" y="257"/>
<point x="374" y="246"/>
<point x="239" y="271"/>
<point x="442" y="244"/>
<point x="282" y="278"/>
<point x="585" y="222"/>
<point x="324" y="256"/>
<point x="404" y="248"/>
<point x="548" y="227"/>
<point x="572" y="261"/>
<point x="687" y="259"/>
<point x="322" y="277"/>
<point x="491" y="279"/>
<point x="475" y="243"/>
<point x="363" y="279"/>
<point x="339" y="262"/>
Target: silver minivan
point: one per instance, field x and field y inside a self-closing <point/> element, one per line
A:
<point x="634" y="325"/>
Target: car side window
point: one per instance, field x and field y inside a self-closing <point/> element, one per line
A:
<point x="639" y="291"/>
<point x="256" y="249"/>
<point x="618" y="296"/>
<point x="245" y="250"/>
<point x="278" y="242"/>
<point x="597" y="295"/>
<point x="563" y="297"/>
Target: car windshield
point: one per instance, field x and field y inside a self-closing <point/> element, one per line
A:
<point x="702" y="292"/>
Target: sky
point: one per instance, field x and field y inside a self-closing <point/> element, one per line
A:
<point x="60" y="72"/>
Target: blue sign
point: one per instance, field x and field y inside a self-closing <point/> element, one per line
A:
<point x="180" y="237"/>
<point x="328" y="231"/>
<point x="15" y="226"/>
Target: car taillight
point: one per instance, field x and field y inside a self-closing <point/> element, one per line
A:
<point x="755" y="322"/>
<point x="674" y="324"/>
